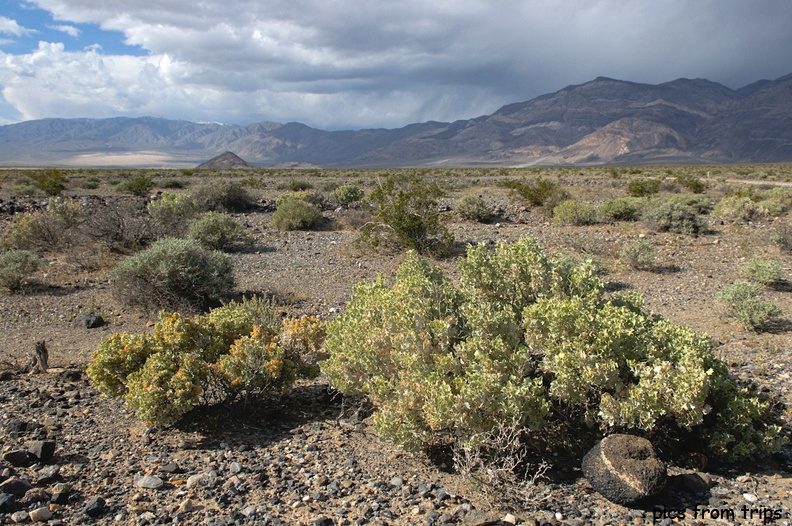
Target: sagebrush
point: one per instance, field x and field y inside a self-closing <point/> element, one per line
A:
<point x="523" y="339"/>
<point x="240" y="349"/>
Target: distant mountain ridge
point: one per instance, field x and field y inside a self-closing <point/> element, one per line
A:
<point x="604" y="121"/>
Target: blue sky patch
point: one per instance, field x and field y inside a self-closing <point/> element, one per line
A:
<point x="34" y="25"/>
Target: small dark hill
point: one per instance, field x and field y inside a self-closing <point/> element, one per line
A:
<point x="225" y="161"/>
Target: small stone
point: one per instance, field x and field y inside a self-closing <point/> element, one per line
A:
<point x="17" y="457"/>
<point x="40" y="514"/>
<point x="234" y="468"/>
<point x="323" y="521"/>
<point x="169" y="467"/>
<point x="205" y="480"/>
<point x="6" y="502"/>
<point x="43" y="450"/>
<point x="693" y="482"/>
<point x="48" y="473"/>
<point x="511" y="519"/>
<point x="35" y="495"/>
<point x="480" y="518"/>
<point x="187" y="506"/>
<point x="95" y="507"/>
<point x="149" y="482"/>
<point x="624" y="469"/>
<point x="19" y="516"/>
<point x="750" y="497"/>
<point x="397" y="481"/>
<point x="16" y="486"/>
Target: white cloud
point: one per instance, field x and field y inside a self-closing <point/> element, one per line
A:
<point x="70" y="30"/>
<point x="356" y="63"/>
<point x="12" y="27"/>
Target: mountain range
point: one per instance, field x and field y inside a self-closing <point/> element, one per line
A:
<point x="604" y="121"/>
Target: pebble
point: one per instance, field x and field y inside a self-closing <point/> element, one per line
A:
<point x="40" y="514"/>
<point x="149" y="482"/>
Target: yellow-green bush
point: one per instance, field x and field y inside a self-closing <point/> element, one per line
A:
<point x="172" y="213"/>
<point x="529" y="339"/>
<point x="575" y="213"/>
<point x="234" y="350"/>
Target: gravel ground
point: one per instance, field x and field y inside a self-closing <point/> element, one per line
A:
<point x="297" y="460"/>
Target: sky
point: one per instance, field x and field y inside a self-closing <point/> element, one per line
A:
<point x="352" y="64"/>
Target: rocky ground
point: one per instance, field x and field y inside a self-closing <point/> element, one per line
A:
<point x="71" y="456"/>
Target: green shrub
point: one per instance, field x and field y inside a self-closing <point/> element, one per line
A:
<point x="640" y="254"/>
<point x="173" y="273"/>
<point x="55" y="227"/>
<point x="643" y="187"/>
<point x="474" y="208"/>
<point x="223" y="196"/>
<point x="234" y="350"/>
<point x="299" y="186"/>
<point x="140" y="185"/>
<point x="172" y="213"/>
<point x="776" y="201"/>
<point x="347" y="194"/>
<point x="576" y="213"/>
<point x="309" y="196"/>
<point x="668" y="216"/>
<point x="216" y="231"/>
<point x="51" y="182"/>
<point x="782" y="237"/>
<point x="700" y="203"/>
<point x="525" y="341"/>
<point x="747" y="304"/>
<point x="763" y="271"/>
<point x="622" y="209"/>
<point x="407" y="212"/>
<point x="91" y="183"/>
<point x="691" y="182"/>
<point x="539" y="192"/>
<point x="738" y="208"/>
<point x="173" y="183"/>
<point x="15" y="266"/>
<point x="296" y="214"/>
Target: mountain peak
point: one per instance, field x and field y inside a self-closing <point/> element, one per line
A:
<point x="225" y="161"/>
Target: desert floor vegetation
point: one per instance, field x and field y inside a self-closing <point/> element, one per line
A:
<point x="707" y="248"/>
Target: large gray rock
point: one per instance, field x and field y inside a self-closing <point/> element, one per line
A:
<point x="624" y="469"/>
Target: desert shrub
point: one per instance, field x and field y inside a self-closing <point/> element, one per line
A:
<point x="406" y="210"/>
<point x="622" y="209"/>
<point x="577" y="213"/>
<point x="49" y="229"/>
<point x="173" y="273"/>
<point x="776" y="201"/>
<point x="782" y="236"/>
<point x="299" y="186"/>
<point x="668" y="216"/>
<point x="15" y="266"/>
<point x="474" y="208"/>
<point x="140" y="185"/>
<point x="640" y="254"/>
<point x="309" y="196"/>
<point x="172" y="213"/>
<point x="216" y="231"/>
<point x="763" y="271"/>
<point x="121" y="227"/>
<point x="528" y="342"/>
<point x="643" y="187"/>
<point x="51" y="182"/>
<point x="91" y="183"/>
<point x="700" y="203"/>
<point x="222" y="196"/>
<point x="691" y="182"/>
<point x="296" y="214"/>
<point x="539" y="192"/>
<point x="233" y="351"/>
<point x="738" y="208"/>
<point x="747" y="305"/>
<point x="172" y="183"/>
<point x="347" y="194"/>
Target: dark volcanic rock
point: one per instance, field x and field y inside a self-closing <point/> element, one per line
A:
<point x="43" y="450"/>
<point x="624" y="469"/>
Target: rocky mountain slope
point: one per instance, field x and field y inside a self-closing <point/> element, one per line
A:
<point x="602" y="121"/>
